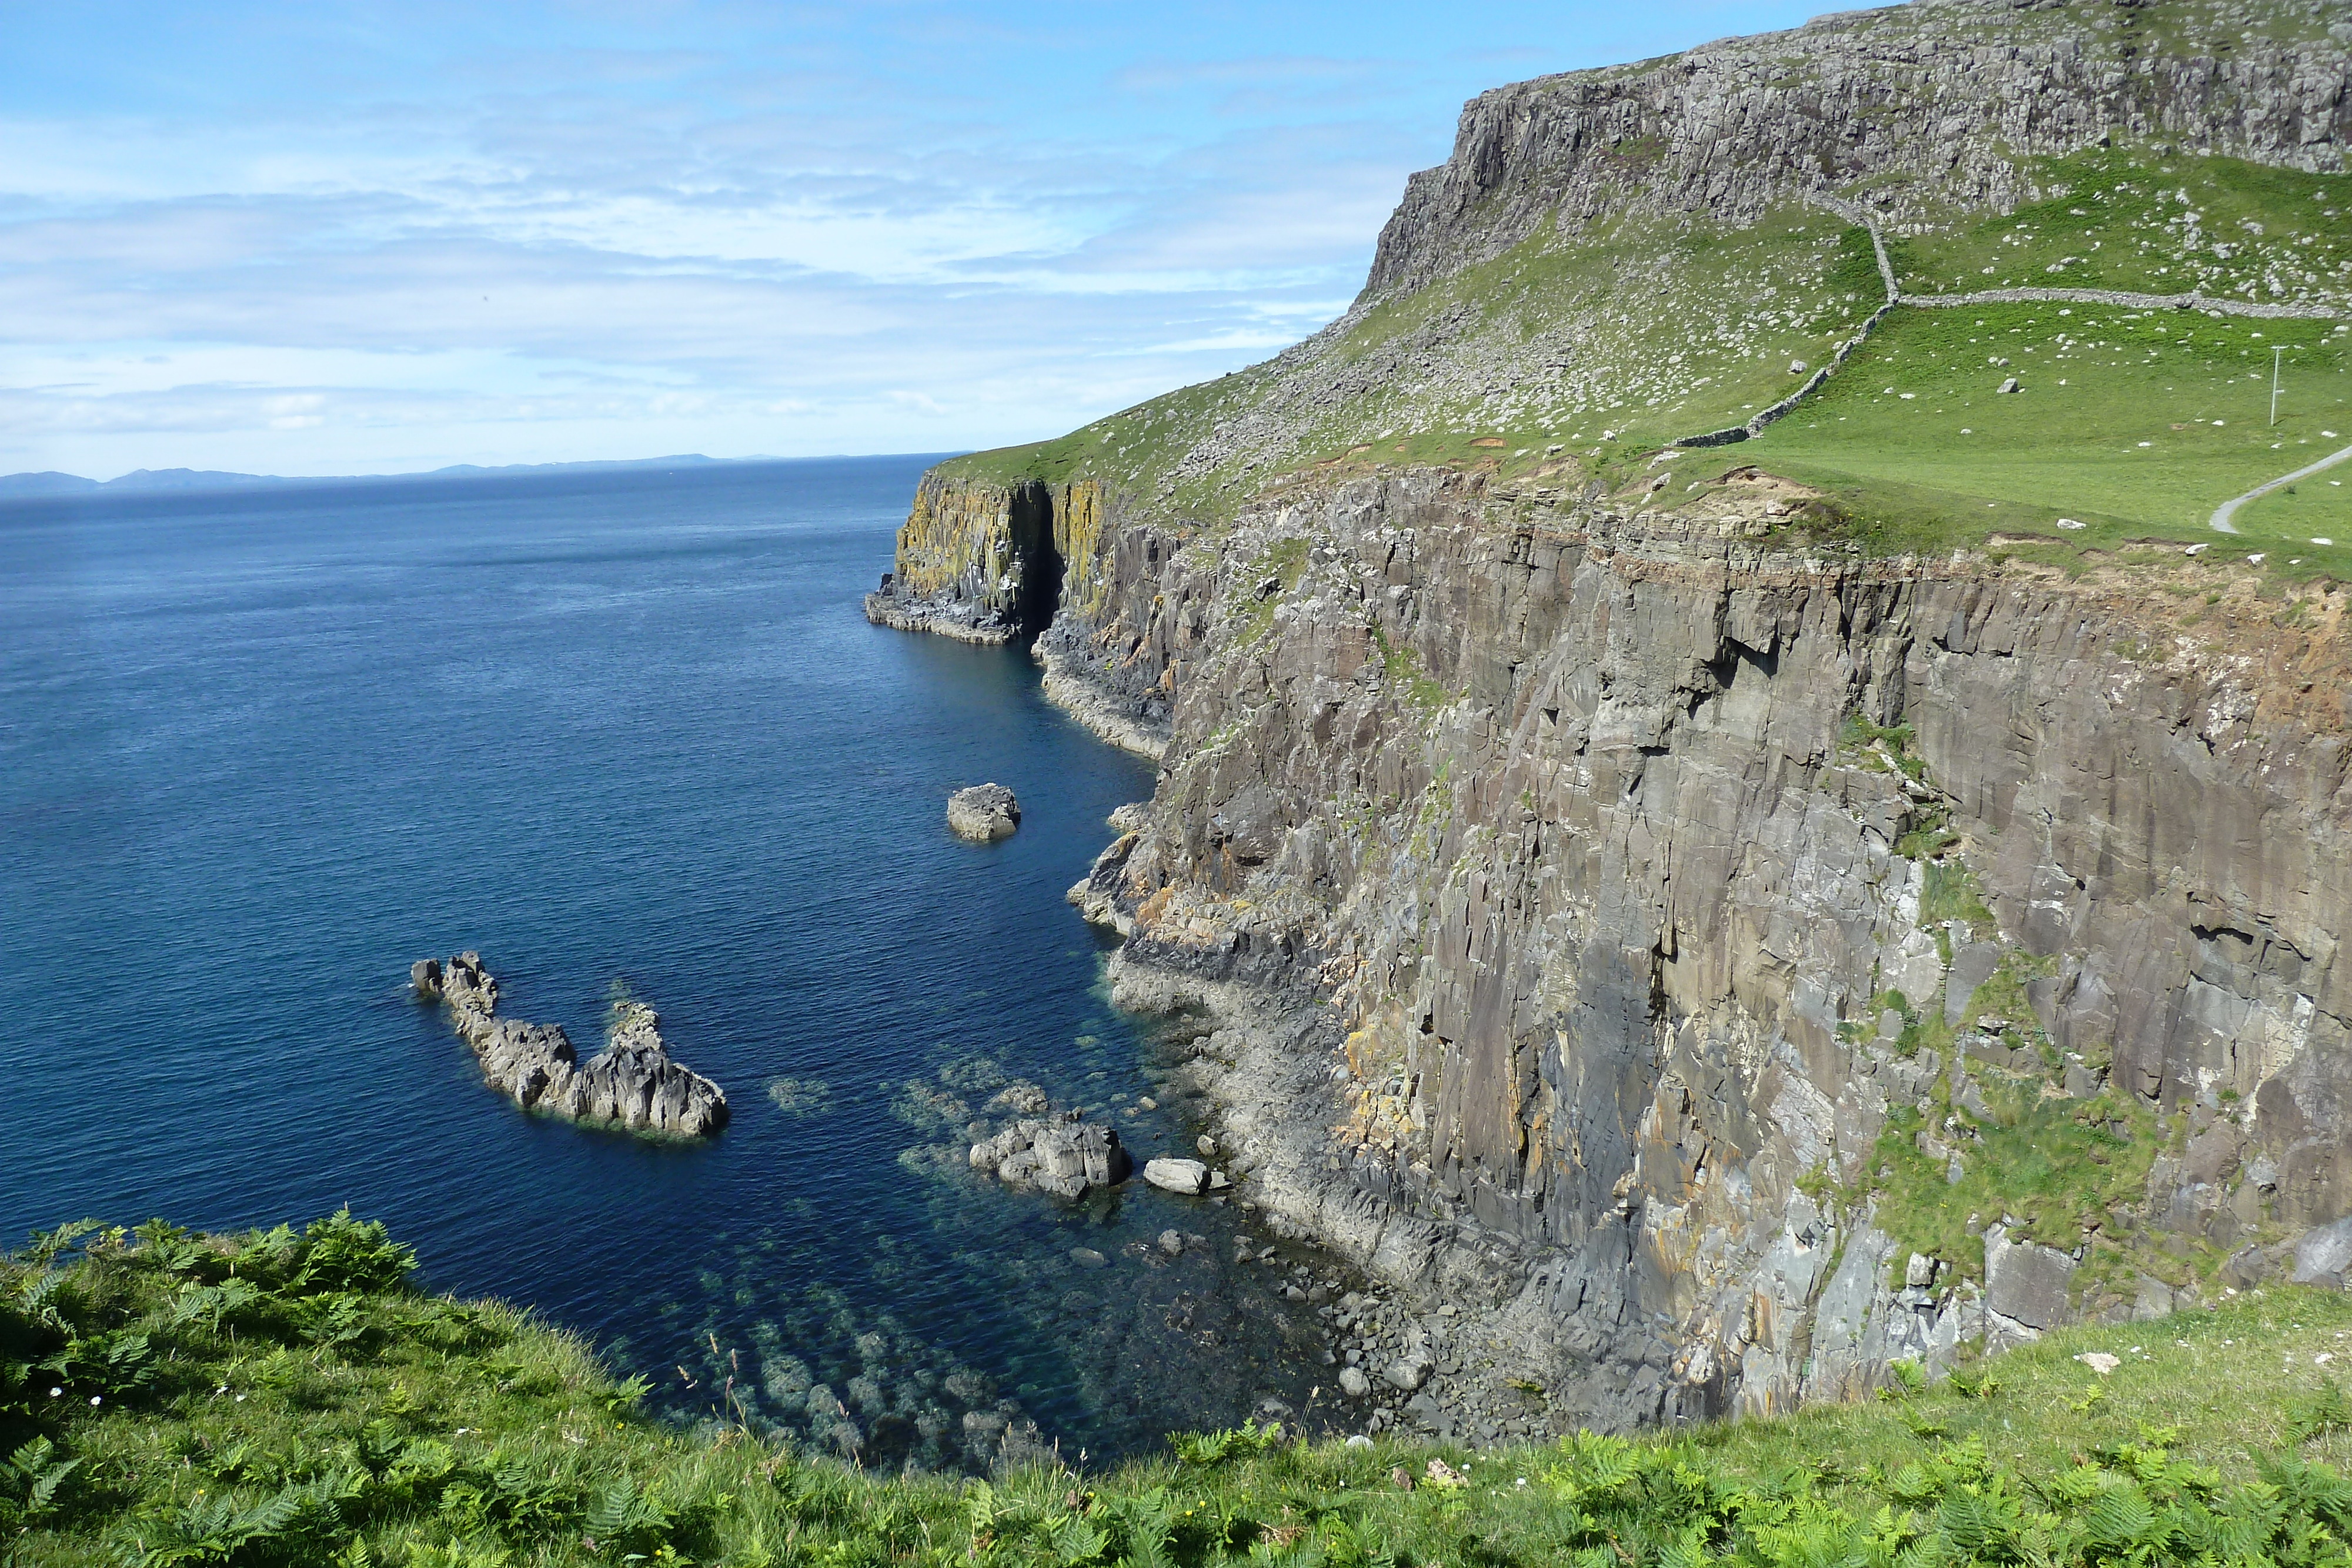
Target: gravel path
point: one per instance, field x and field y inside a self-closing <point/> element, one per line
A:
<point x="2228" y="508"/>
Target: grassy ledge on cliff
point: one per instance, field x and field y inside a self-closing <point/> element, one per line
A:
<point x="287" y="1398"/>
<point x="1616" y="261"/>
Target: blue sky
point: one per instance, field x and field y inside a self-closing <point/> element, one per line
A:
<point x="334" y="238"/>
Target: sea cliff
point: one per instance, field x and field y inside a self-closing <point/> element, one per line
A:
<point x="1707" y="938"/>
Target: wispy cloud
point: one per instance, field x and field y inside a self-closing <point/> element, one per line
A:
<point x="353" y="236"/>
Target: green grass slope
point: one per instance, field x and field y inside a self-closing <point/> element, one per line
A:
<point x="2132" y="422"/>
<point x="287" y="1398"/>
<point x="2137" y="220"/>
<point x="1576" y="356"/>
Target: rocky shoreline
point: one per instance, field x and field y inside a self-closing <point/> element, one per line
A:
<point x="632" y="1083"/>
<point x="1119" y="720"/>
<point x="942" y="614"/>
<point x="1697" y="961"/>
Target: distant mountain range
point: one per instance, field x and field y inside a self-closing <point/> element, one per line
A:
<point x="16" y="486"/>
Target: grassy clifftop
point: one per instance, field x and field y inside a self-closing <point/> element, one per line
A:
<point x="1586" y="298"/>
<point x="285" y="1397"/>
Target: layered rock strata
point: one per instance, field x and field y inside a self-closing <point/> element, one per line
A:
<point x="633" y="1082"/>
<point x="1562" y="818"/>
<point x="1613" y="929"/>
<point x="1935" y="105"/>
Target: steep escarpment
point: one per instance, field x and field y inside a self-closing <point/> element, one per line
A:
<point x="1650" y="903"/>
<point x="1705" y="954"/>
<point x="1931" y="106"/>
<point x="987" y="562"/>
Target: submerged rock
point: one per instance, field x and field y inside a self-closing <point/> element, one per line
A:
<point x="632" y="1082"/>
<point x="983" y="813"/>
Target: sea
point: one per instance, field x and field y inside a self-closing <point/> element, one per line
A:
<point x="261" y="750"/>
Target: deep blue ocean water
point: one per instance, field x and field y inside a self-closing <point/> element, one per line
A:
<point x="260" y="751"/>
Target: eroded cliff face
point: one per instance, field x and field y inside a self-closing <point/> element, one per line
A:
<point x="1702" y="965"/>
<point x="1583" y="866"/>
<point x="1934" y="104"/>
<point x="988" y="563"/>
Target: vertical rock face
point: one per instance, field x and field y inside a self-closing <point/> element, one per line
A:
<point x="633" y="1082"/>
<point x="1545" y="840"/>
<point x="989" y="562"/>
<point x="1934" y="103"/>
<point x="1620" y="926"/>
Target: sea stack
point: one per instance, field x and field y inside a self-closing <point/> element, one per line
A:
<point x="1057" y="1153"/>
<point x="633" y="1082"/>
<point x="984" y="812"/>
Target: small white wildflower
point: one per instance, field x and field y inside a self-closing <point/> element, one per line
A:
<point x="94" y="1400"/>
<point x="55" y="1391"/>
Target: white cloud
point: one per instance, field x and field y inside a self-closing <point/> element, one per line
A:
<point x="346" y="238"/>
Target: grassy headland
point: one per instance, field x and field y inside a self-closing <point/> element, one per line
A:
<point x="1578" y="357"/>
<point x="287" y="1398"/>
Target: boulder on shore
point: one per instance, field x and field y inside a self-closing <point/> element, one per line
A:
<point x="1187" y="1177"/>
<point x="633" y="1082"/>
<point x="983" y="813"/>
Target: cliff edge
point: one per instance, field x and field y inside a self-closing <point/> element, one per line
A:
<point x="1713" y="927"/>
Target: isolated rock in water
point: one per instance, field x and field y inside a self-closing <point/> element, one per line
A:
<point x="633" y="1082"/>
<point x="1187" y="1177"/>
<point x="1062" y="1155"/>
<point x="983" y="813"/>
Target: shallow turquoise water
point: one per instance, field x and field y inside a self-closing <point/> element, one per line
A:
<point x="259" y="752"/>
